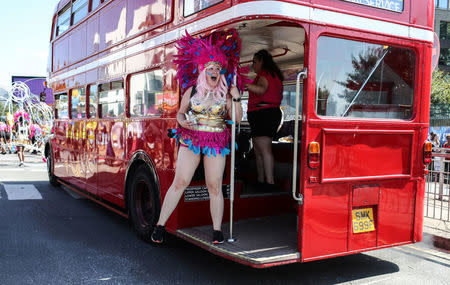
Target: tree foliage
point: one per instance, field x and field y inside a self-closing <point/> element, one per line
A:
<point x="362" y="66"/>
<point x="440" y="87"/>
<point x="440" y="93"/>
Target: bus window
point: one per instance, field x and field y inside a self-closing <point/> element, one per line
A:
<point x="363" y="80"/>
<point x="288" y="103"/>
<point x="111" y="99"/>
<point x="79" y="10"/>
<point x="94" y="4"/>
<point x="194" y="6"/>
<point x="93" y="100"/>
<point x="63" y="21"/>
<point x="61" y="106"/>
<point x="78" y="103"/>
<point x="146" y="94"/>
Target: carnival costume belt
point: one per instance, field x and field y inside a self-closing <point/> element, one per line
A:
<point x="207" y="143"/>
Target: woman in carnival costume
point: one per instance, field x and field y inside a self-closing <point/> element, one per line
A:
<point x="3" y="130"/>
<point x="206" y="68"/>
<point x="22" y="124"/>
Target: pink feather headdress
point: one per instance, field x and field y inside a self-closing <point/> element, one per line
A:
<point x="222" y="47"/>
<point x="21" y="113"/>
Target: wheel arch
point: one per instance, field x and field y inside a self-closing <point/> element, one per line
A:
<point x="141" y="158"/>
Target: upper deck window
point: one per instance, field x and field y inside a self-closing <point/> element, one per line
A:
<point x="63" y="21"/>
<point x="194" y="6"/>
<point x="79" y="10"/>
<point x="443" y="4"/>
<point x="94" y="4"/>
<point x="364" y="80"/>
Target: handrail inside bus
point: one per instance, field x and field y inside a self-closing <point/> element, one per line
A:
<point x="301" y="75"/>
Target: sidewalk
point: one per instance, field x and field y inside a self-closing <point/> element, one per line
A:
<point x="438" y="232"/>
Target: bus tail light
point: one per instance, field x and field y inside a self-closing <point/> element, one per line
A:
<point x="427" y="150"/>
<point x="313" y="155"/>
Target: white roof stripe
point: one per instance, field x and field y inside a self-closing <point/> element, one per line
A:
<point x="295" y="11"/>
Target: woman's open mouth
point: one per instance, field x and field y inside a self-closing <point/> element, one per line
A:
<point x="213" y="78"/>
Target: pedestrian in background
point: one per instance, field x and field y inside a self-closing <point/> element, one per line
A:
<point x="21" y="130"/>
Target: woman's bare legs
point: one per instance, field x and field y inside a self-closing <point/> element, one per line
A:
<point x="20" y="153"/>
<point x="259" y="161"/>
<point x="214" y="167"/>
<point x="2" y="144"/>
<point x="263" y="148"/>
<point x="187" y="163"/>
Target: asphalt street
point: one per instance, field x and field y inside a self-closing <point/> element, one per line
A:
<point x="51" y="235"/>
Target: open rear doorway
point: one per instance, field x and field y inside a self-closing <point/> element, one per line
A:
<point x="265" y="221"/>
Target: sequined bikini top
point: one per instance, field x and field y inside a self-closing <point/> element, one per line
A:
<point x="209" y="113"/>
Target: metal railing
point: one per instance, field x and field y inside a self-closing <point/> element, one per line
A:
<point x="437" y="187"/>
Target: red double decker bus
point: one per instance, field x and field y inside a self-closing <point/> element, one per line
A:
<point x="349" y="153"/>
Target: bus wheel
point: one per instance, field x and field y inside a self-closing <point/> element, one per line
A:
<point x="143" y="203"/>
<point x="51" y="176"/>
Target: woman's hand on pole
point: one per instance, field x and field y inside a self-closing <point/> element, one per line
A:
<point x="235" y="92"/>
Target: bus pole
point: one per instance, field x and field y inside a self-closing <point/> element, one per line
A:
<point x="233" y="149"/>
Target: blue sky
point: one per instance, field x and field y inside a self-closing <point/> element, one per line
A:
<point x="25" y="33"/>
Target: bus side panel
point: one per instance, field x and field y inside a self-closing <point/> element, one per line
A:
<point x="423" y="136"/>
<point x="395" y="212"/>
<point x="325" y="227"/>
<point x="111" y="161"/>
<point x="77" y="159"/>
<point x="359" y="154"/>
<point x="60" y="153"/>
<point x="419" y="208"/>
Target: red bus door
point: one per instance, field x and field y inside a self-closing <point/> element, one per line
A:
<point x="359" y="145"/>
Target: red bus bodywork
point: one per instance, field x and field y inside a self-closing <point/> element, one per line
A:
<point x="363" y="162"/>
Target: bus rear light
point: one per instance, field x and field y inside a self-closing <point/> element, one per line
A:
<point x="427" y="152"/>
<point x="313" y="155"/>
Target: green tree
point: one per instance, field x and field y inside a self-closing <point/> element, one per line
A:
<point x="440" y="93"/>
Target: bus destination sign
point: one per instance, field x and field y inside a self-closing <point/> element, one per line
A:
<point x="391" y="5"/>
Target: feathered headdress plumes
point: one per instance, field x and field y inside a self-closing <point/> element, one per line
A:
<point x="21" y="113"/>
<point x="222" y="47"/>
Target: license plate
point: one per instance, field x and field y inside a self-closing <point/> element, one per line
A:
<point x="362" y="220"/>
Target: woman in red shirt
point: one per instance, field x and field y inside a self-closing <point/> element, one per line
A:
<point x="264" y="114"/>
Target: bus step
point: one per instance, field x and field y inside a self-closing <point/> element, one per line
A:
<point x="259" y="242"/>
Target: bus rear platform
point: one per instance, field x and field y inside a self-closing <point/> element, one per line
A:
<point x="258" y="242"/>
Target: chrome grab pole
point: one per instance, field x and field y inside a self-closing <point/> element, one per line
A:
<point x="302" y="74"/>
<point x="232" y="159"/>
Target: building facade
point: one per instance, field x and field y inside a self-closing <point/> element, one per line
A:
<point x="442" y="29"/>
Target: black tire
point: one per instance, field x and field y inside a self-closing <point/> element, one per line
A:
<point x="144" y="202"/>
<point x="51" y="177"/>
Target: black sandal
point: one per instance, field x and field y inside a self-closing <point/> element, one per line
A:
<point x="158" y="234"/>
<point x="217" y="237"/>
